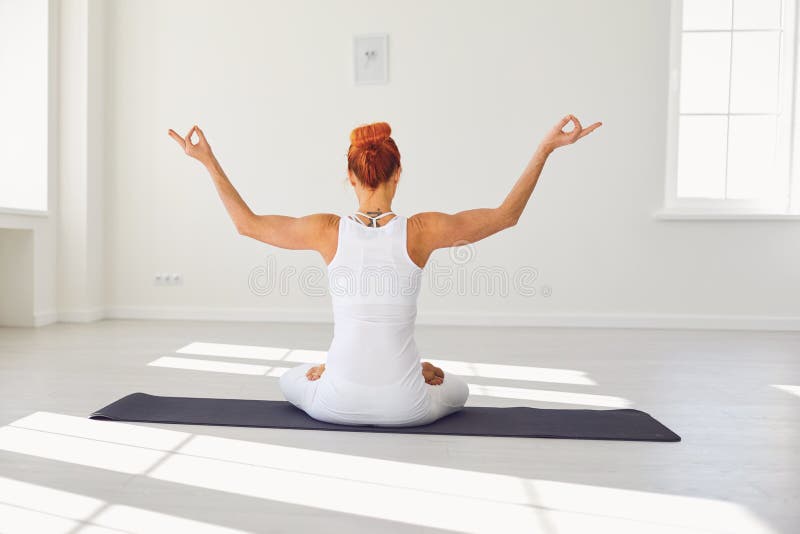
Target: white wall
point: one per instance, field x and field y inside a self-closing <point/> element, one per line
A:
<point x="473" y="86"/>
<point x="16" y="277"/>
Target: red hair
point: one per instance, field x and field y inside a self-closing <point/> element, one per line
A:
<point x="373" y="155"/>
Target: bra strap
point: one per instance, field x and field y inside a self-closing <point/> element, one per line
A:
<point x="373" y="219"/>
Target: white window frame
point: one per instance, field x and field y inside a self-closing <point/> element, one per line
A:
<point x="14" y="217"/>
<point x="788" y="146"/>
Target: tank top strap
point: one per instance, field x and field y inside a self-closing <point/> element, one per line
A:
<point x="373" y="219"/>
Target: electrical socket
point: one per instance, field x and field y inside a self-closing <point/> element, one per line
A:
<point x="168" y="279"/>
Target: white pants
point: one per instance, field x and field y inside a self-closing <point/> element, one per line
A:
<point x="446" y="398"/>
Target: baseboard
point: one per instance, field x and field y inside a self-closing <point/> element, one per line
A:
<point x="612" y="320"/>
<point x="69" y="316"/>
<point x="45" y="318"/>
<point x="220" y="314"/>
<point x="556" y="320"/>
<point x="86" y="315"/>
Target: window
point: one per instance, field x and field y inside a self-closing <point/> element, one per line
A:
<point x="23" y="104"/>
<point x="731" y="120"/>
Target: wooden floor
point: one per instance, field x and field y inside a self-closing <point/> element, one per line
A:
<point x="736" y="470"/>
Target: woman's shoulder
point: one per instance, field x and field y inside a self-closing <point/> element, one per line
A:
<point x="326" y="220"/>
<point x="426" y="220"/>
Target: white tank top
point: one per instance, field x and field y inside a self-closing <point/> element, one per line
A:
<point x="373" y="365"/>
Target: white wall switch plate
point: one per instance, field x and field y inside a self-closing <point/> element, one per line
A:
<point x="371" y="58"/>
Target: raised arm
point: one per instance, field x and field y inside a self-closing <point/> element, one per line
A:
<point x="433" y="230"/>
<point x="312" y="232"/>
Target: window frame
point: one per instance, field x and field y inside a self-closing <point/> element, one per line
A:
<point x="788" y="145"/>
<point x="12" y="213"/>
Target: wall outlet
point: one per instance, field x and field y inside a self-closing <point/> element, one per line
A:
<point x="168" y="279"/>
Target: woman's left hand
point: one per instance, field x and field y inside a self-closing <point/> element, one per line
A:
<point x="201" y="151"/>
<point x="433" y="375"/>
<point x="315" y="372"/>
<point x="557" y="137"/>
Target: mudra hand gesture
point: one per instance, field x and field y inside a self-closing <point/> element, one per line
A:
<point x="201" y="151"/>
<point x="557" y="137"/>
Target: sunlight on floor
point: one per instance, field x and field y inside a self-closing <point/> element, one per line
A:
<point x="544" y="395"/>
<point x="251" y="352"/>
<point x="91" y="453"/>
<point x="423" y="495"/>
<point x="794" y="390"/>
<point x="514" y="372"/>
<point x="220" y="367"/>
<point x="27" y="508"/>
<point x="463" y="368"/>
<point x="306" y="356"/>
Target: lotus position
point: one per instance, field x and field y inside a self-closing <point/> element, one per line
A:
<point x="373" y="373"/>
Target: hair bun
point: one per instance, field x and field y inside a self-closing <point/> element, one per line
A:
<point x="373" y="155"/>
<point x="368" y="134"/>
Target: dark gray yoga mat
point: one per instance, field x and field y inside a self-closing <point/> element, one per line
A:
<point x="523" y="422"/>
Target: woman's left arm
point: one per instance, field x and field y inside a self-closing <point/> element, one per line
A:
<point x="312" y="232"/>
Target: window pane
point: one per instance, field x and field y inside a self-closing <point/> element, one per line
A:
<point x="23" y="104"/>
<point x="706" y="14"/>
<point x="705" y="65"/>
<point x="754" y="76"/>
<point x="757" y="14"/>
<point x="701" y="156"/>
<point x="751" y="157"/>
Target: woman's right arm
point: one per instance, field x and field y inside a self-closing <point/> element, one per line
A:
<point x="312" y="232"/>
<point x="433" y="230"/>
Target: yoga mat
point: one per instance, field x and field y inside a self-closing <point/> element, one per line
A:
<point x="523" y="422"/>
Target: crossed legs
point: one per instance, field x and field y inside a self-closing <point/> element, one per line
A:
<point x="448" y="393"/>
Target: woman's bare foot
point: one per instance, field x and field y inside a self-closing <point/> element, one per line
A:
<point x="433" y="375"/>
<point x="315" y="372"/>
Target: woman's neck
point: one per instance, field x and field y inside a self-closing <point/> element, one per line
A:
<point x="373" y="215"/>
<point x="373" y="211"/>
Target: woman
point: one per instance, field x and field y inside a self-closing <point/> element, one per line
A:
<point x="373" y="374"/>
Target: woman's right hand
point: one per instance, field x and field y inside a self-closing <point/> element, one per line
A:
<point x="201" y="151"/>
<point x="557" y="137"/>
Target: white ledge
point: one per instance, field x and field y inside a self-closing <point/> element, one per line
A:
<point x="18" y="211"/>
<point x="706" y="215"/>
